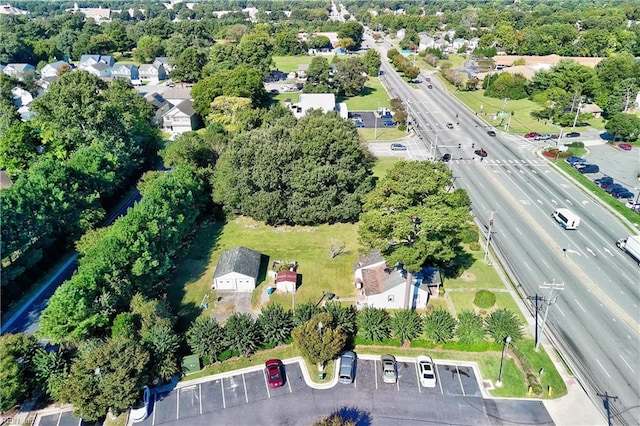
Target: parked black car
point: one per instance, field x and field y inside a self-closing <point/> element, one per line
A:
<point x="589" y="168"/>
<point x="572" y="135"/>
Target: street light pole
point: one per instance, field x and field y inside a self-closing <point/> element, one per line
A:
<point x="504" y="347"/>
<point x="553" y="286"/>
<point x="489" y="232"/>
<point x="329" y="296"/>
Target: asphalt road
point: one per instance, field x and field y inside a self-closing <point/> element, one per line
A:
<point x="594" y="320"/>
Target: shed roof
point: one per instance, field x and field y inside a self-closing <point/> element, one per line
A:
<point x="240" y="260"/>
<point x="287" y="276"/>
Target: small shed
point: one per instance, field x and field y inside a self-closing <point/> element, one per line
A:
<point x="286" y="281"/>
<point x="237" y="270"/>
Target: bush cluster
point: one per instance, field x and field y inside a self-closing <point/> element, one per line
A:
<point x="484" y="299"/>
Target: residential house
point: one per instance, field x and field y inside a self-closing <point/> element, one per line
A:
<point x="323" y="101"/>
<point x="20" y="71"/>
<point x="164" y="61"/>
<point x="50" y="71"/>
<point x="302" y="71"/>
<point x="237" y="270"/>
<point x="98" y="14"/>
<point x="7" y="9"/>
<point x="286" y="281"/>
<point x="177" y="94"/>
<point x="381" y="286"/>
<point x="21" y="97"/>
<point x="152" y="72"/>
<point x="401" y="33"/>
<point x="181" y="118"/>
<point x="426" y="42"/>
<point x="99" y="69"/>
<point x="160" y="105"/>
<point x="86" y="60"/>
<point x="128" y="71"/>
<point x="458" y="43"/>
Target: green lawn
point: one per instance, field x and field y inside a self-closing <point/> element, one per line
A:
<point x="383" y="164"/>
<point x="309" y="246"/>
<point x="383" y="134"/>
<point x="290" y="63"/>
<point x="372" y="96"/>
<point x="463" y="301"/>
<point x="479" y="275"/>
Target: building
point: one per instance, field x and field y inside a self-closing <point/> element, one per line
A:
<point x="99" y="69"/>
<point x="286" y="281"/>
<point x="181" y="118"/>
<point x="98" y="14"/>
<point x="20" y="71"/>
<point x="50" y="71"/>
<point x="152" y="72"/>
<point x="323" y="101"/>
<point x="237" y="270"/>
<point x="381" y="286"/>
<point x="164" y="61"/>
<point x="7" y="9"/>
<point x="87" y="60"/>
<point x="127" y="71"/>
<point x="160" y="105"/>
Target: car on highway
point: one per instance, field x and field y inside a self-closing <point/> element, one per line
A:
<point x="572" y="135"/>
<point x="446" y="157"/>
<point x="531" y="135"/>
<point x="347" y="367"/>
<point x="491" y="133"/>
<point x="589" y="168"/>
<point x="449" y="125"/>
<point x="543" y="137"/>
<point x="389" y="369"/>
<point x="430" y="86"/>
<point x="575" y="161"/>
<point x="388" y="123"/>
<point x="426" y="371"/>
<point x="481" y="152"/>
<point x="398" y="147"/>
<point x="275" y="378"/>
<point x="625" y="146"/>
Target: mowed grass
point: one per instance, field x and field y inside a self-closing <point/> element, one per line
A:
<point x="463" y="301"/>
<point x="383" y="134"/>
<point x="290" y="63"/>
<point x="309" y="246"/>
<point x="383" y="165"/>
<point x="373" y="95"/>
<point x="479" y="275"/>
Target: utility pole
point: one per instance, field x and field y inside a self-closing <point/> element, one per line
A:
<point x="536" y="298"/>
<point x="606" y="404"/>
<point x="552" y="299"/>
<point x="575" y="120"/>
<point x="627" y="99"/>
<point x="489" y="232"/>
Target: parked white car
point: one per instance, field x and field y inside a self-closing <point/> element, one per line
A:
<point x="427" y="371"/>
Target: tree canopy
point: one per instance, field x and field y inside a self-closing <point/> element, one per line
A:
<point x="412" y="218"/>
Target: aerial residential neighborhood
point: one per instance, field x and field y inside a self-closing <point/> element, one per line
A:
<point x="319" y="212"/>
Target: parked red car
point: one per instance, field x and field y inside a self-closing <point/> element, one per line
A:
<point x="275" y="378"/>
<point x="625" y="146"/>
<point x="531" y="135"/>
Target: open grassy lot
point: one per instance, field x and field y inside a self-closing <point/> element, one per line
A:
<point x="281" y="97"/>
<point x="463" y="300"/>
<point x="309" y="246"/>
<point x="479" y="275"/>
<point x="373" y="95"/>
<point x="290" y="63"/>
<point x="383" y="164"/>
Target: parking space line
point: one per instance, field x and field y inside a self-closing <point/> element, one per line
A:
<point x="178" y="406"/>
<point x="246" y="396"/>
<point x="200" y="397"/>
<point x="415" y="364"/>
<point x="460" y="380"/>
<point x="264" y="374"/>
<point x="155" y="401"/>
<point x="224" y="403"/>
<point x="375" y="372"/>
<point x="438" y="376"/>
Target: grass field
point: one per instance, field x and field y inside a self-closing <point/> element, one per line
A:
<point x="382" y="134"/>
<point x="383" y="164"/>
<point x="372" y="96"/>
<point x="290" y="63"/>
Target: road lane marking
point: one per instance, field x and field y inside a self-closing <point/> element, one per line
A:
<point x="438" y="377"/>
<point x="608" y="251"/>
<point x="200" y="397"/>
<point x="605" y="371"/>
<point x="525" y="264"/>
<point x="560" y="310"/>
<point x="545" y="264"/>
<point x="460" y="380"/>
<point x="568" y="202"/>
<point x="580" y="305"/>
<point x="554" y="201"/>
<point x="519" y="231"/>
<point x="375" y="372"/>
<point x="178" y="406"/>
<point x="625" y="361"/>
<point x="539" y="201"/>
<point x="415" y="364"/>
<point x="591" y="251"/>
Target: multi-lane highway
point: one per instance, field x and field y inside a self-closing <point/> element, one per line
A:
<point x="594" y="320"/>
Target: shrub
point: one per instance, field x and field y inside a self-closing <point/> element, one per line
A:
<point x="530" y="373"/>
<point x="484" y="299"/>
<point x="373" y="324"/>
<point x="406" y="325"/>
<point x="470" y="235"/>
<point x="576" y="145"/>
<point x="439" y="325"/>
<point x="474" y="245"/>
<point x="502" y="323"/>
<point x="470" y="328"/>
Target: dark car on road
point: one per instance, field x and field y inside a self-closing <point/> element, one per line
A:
<point x="398" y="147"/>
<point x="491" y="133"/>
<point x="481" y="152"/>
<point x="446" y="157"/>
<point x="589" y="168"/>
<point x="275" y="378"/>
<point x="572" y="135"/>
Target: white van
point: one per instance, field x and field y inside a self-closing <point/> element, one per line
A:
<point x="566" y="218"/>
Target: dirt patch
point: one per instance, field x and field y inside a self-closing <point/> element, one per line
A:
<point x="228" y="302"/>
<point x="468" y="276"/>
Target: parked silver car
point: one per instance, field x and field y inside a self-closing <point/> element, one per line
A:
<point x="389" y="369"/>
<point x="347" y="367"/>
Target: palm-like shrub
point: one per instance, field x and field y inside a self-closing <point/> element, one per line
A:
<point x="406" y="324"/>
<point x="206" y="338"/>
<point x="343" y="316"/>
<point x="242" y="333"/>
<point x="374" y="324"/>
<point x="275" y="324"/>
<point x="470" y="328"/>
<point x="303" y="313"/>
<point x="439" y="325"/>
<point x="502" y="323"/>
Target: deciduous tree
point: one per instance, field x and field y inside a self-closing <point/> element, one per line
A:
<point x="318" y="339"/>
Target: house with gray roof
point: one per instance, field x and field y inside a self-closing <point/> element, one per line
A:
<point x="152" y="72"/>
<point x="50" y="71"/>
<point x="391" y="287"/>
<point x="237" y="270"/>
<point x="181" y="118"/>
<point x="128" y="71"/>
<point x="19" y="71"/>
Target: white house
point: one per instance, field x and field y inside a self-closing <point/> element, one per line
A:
<point x="237" y="270"/>
<point x="426" y="42"/>
<point x="152" y="72"/>
<point x="50" y="71"/>
<point x="86" y="60"/>
<point x="381" y="286"/>
<point x="19" y="71"/>
<point x="181" y="118"/>
<point x="21" y="97"/>
<point x="323" y="101"/>
<point x="99" y="69"/>
<point x="164" y="61"/>
<point x="128" y="71"/>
